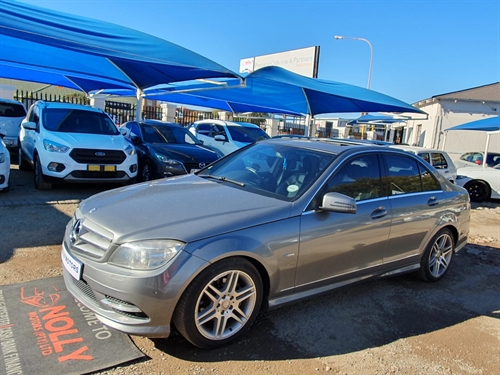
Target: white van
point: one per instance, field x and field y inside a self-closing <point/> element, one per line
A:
<point x="74" y="143"/>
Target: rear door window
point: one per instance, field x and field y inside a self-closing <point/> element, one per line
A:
<point x="439" y="161"/>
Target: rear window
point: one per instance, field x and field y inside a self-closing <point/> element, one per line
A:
<point x="78" y="121"/>
<point x="11" y="110"/>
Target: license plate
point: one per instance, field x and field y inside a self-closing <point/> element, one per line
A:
<point x="73" y="266"/>
<point x="101" y="168"/>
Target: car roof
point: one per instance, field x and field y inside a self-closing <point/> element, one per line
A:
<point x="417" y="149"/>
<point x="68" y="105"/>
<point x="158" y="122"/>
<point x="224" y="122"/>
<point x="11" y="101"/>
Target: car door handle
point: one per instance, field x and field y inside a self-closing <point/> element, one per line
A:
<point x="378" y="213"/>
<point x="432" y="201"/>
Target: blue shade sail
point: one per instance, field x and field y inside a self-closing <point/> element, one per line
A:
<point x="94" y="50"/>
<point x="490" y="124"/>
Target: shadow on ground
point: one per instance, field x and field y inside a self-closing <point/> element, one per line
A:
<point x="364" y="316"/>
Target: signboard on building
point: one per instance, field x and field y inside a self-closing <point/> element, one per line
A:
<point x="302" y="61"/>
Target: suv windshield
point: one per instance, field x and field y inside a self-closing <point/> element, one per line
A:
<point x="246" y="134"/>
<point x="11" y="110"/>
<point x="168" y="134"/>
<point x="78" y="121"/>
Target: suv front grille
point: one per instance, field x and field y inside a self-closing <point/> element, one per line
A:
<point x="93" y="156"/>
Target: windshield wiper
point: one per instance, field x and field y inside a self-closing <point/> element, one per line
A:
<point x="224" y="179"/>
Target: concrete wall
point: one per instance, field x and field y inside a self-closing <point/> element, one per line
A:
<point x="444" y="114"/>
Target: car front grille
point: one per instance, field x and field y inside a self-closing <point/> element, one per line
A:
<point x="190" y="166"/>
<point x="90" y="240"/>
<point x="101" y="175"/>
<point x="85" y="289"/>
<point x="101" y="157"/>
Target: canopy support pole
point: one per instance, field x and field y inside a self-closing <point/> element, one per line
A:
<point x="138" y="106"/>
<point x="488" y="136"/>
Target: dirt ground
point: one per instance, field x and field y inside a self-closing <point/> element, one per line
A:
<point x="399" y="325"/>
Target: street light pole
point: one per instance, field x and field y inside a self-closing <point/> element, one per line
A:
<point x="338" y="37"/>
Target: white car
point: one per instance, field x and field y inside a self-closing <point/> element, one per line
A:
<point x="481" y="183"/>
<point x="227" y="136"/>
<point x="12" y="113"/>
<point x="74" y="143"/>
<point x="476" y="158"/>
<point x="4" y="164"/>
<point x="439" y="159"/>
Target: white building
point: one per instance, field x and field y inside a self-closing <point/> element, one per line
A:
<point x="451" y="109"/>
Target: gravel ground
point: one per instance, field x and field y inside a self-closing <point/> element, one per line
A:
<point x="394" y="326"/>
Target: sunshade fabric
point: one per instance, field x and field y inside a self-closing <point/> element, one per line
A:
<point x="490" y="124"/>
<point x="279" y="89"/>
<point x="95" y="50"/>
<point x="377" y="119"/>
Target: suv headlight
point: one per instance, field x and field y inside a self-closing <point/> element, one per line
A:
<point x="54" y="146"/>
<point x="145" y="255"/>
<point x="130" y="150"/>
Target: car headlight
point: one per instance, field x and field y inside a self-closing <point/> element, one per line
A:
<point x="54" y="146"/>
<point x="166" y="160"/>
<point x="145" y="255"/>
<point x="2" y="157"/>
<point x="130" y="150"/>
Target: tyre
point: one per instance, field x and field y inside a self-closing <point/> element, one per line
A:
<point x="40" y="180"/>
<point x="220" y="304"/>
<point x="478" y="190"/>
<point x="146" y="173"/>
<point x="23" y="164"/>
<point x="438" y="256"/>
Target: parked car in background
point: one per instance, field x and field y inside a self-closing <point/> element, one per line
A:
<point x="482" y="183"/>
<point x="227" y="136"/>
<point x="65" y="142"/>
<point x="439" y="159"/>
<point x="4" y="165"/>
<point x="272" y="223"/>
<point x="167" y="149"/>
<point x="492" y="159"/>
<point x="12" y="113"/>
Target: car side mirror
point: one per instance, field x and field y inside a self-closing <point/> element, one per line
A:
<point x="136" y="140"/>
<point x="478" y="162"/>
<point x="220" y="138"/>
<point x="336" y="202"/>
<point x="30" y="125"/>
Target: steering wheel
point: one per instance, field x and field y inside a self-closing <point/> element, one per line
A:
<point x="256" y="178"/>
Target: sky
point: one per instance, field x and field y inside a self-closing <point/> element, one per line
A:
<point x="421" y="48"/>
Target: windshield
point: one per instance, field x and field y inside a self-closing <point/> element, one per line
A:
<point x="168" y="134"/>
<point x="281" y="171"/>
<point x="68" y="120"/>
<point x="246" y="134"/>
<point x="11" y="110"/>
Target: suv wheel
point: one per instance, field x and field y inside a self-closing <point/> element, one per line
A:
<point x="40" y="180"/>
<point x="23" y="164"/>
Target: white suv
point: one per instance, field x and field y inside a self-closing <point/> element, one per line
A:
<point x="74" y="143"/>
<point x="4" y="164"/>
<point x="439" y="159"/>
<point x="227" y="136"/>
<point x="12" y="113"/>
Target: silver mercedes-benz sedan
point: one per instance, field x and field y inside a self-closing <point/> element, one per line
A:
<point x="272" y="223"/>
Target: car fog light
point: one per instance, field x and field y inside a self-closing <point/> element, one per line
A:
<point x="56" y="167"/>
<point x="133" y="168"/>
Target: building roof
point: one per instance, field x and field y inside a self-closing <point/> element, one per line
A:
<point x="485" y="93"/>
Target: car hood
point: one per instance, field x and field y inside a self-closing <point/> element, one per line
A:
<point x="185" y="208"/>
<point x="186" y="153"/>
<point x="92" y="141"/>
